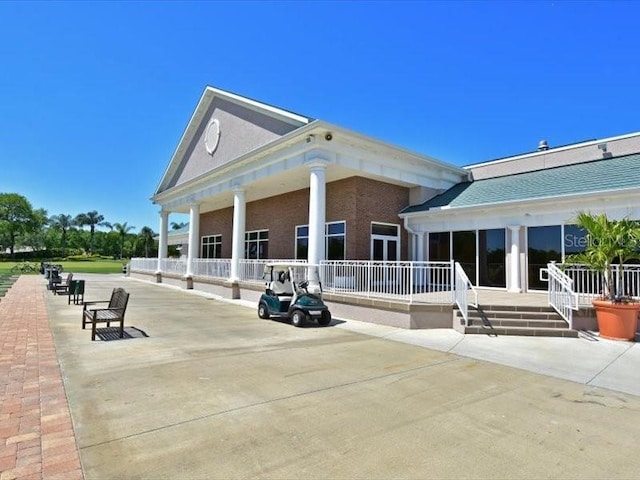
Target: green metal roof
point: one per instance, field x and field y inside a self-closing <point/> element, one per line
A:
<point x="595" y="176"/>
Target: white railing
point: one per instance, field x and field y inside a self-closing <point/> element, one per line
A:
<point x="562" y="296"/>
<point x="143" y="264"/>
<point x="174" y="266"/>
<point x="463" y="287"/>
<point x="429" y="282"/>
<point x="252" y="270"/>
<point x="590" y="284"/>
<point x="212" y="267"/>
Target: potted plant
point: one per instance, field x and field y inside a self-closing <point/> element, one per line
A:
<point x="610" y="241"/>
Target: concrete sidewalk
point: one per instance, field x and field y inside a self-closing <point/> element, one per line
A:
<point x="589" y="360"/>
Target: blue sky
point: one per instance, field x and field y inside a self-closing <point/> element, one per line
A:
<point x="94" y="96"/>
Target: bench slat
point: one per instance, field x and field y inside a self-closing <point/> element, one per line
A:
<point x="113" y="313"/>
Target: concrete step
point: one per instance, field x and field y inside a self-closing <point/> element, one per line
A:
<point x="517" y="308"/>
<point x="497" y="314"/>
<point x="518" y="322"/>
<point x="522" y="331"/>
<point x="515" y="320"/>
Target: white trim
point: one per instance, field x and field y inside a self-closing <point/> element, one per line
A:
<point x="255" y="105"/>
<point x="215" y="237"/>
<point x="258" y="241"/>
<point x="386" y="238"/>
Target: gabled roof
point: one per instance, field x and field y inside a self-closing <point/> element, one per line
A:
<point x="596" y="176"/>
<point x="207" y="98"/>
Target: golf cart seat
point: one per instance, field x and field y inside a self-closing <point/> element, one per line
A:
<point x="281" y="285"/>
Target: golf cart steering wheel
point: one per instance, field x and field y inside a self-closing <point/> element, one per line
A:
<point x="304" y="284"/>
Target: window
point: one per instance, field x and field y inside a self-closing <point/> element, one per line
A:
<point x="464" y="251"/>
<point x="385" y="242"/>
<point x="335" y="240"/>
<point x="256" y="244"/>
<point x="211" y="246"/>
<point x="334" y="233"/>
<point x="544" y="244"/>
<point x="302" y="242"/>
<point x="491" y="255"/>
<point x="574" y="240"/>
<point x="439" y="246"/>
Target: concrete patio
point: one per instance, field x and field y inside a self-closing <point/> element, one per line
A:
<point x="215" y="392"/>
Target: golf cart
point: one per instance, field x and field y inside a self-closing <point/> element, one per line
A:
<point x="287" y="294"/>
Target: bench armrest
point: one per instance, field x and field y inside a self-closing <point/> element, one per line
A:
<point x="95" y="302"/>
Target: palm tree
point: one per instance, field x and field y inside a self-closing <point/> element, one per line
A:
<point x="178" y="225"/>
<point x="122" y="229"/>
<point x="608" y="241"/>
<point x="63" y="223"/>
<point x="147" y="235"/>
<point x="92" y="219"/>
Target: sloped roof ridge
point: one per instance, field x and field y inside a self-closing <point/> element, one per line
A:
<point x="555" y="167"/>
<point x="552" y="150"/>
<point x="268" y="106"/>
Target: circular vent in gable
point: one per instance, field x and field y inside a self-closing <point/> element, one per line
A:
<point x="212" y="136"/>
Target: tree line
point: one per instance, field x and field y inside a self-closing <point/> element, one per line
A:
<point x="26" y="232"/>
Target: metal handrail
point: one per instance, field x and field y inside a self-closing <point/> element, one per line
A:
<point x="462" y="286"/>
<point x="561" y="295"/>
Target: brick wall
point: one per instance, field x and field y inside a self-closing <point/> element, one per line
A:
<point x="357" y="201"/>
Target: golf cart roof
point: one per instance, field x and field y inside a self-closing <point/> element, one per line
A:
<point x="287" y="264"/>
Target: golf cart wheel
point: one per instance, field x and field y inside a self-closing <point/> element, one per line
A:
<point x="263" y="311"/>
<point x="298" y="318"/>
<point x="325" y="319"/>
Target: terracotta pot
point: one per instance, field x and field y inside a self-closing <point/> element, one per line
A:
<point x="617" y="321"/>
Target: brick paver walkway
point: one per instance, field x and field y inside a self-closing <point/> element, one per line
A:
<point x="36" y="434"/>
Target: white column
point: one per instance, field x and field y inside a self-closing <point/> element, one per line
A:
<point x="420" y="246"/>
<point x="194" y="237"/>
<point x="164" y="233"/>
<point x="514" y="280"/>
<point x="239" y="220"/>
<point x="317" y="208"/>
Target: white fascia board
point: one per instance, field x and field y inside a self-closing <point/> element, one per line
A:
<point x="448" y="210"/>
<point x="285" y="115"/>
<point x="385" y="148"/>
<point x="183" y="139"/>
<point x="552" y="150"/>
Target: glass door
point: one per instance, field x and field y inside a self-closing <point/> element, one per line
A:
<point x="384" y="249"/>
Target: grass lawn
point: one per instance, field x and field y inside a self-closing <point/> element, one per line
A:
<point x="90" y="265"/>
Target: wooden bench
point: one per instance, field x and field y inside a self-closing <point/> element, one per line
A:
<point x="62" y="288"/>
<point x="114" y="312"/>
